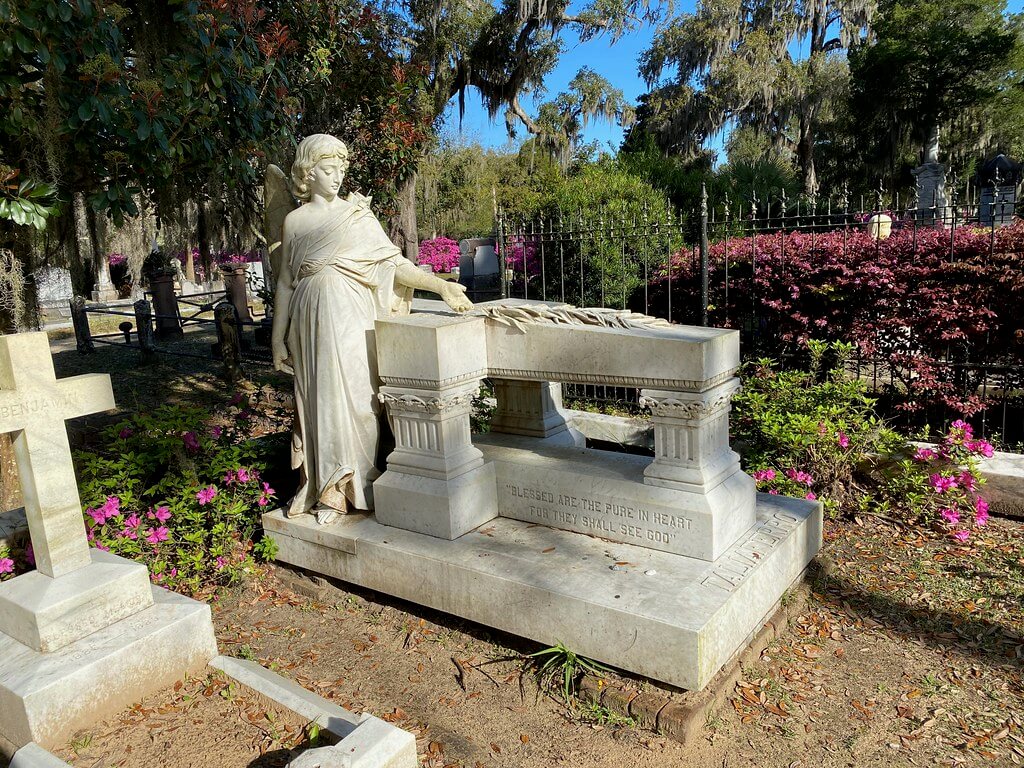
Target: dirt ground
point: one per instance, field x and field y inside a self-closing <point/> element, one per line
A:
<point x="909" y="652"/>
<point x="200" y="723"/>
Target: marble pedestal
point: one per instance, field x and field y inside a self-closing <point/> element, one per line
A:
<point x="669" y="617"/>
<point x="46" y="697"/>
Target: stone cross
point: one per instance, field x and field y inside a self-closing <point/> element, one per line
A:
<point x="34" y="406"/>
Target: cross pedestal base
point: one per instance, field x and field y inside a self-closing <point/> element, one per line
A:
<point x="46" y="613"/>
<point x="47" y="697"/>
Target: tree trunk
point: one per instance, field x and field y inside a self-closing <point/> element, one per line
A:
<point x="805" y="156"/>
<point x="403" y="228"/>
<point x="203" y="235"/>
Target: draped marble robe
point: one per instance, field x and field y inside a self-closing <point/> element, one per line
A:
<point x="344" y="279"/>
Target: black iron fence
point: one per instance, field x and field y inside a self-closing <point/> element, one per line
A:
<point x="928" y="291"/>
<point x="238" y="341"/>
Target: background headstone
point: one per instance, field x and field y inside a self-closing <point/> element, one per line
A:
<point x="478" y="268"/>
<point x="998" y="180"/>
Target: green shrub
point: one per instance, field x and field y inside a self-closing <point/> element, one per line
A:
<point x="804" y="433"/>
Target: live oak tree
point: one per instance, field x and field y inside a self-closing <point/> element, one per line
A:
<point x="733" y="62"/>
<point x="936" y="66"/>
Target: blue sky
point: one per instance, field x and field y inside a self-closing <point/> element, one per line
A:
<point x="618" y="63"/>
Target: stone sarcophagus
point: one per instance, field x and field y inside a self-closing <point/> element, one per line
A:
<point x="663" y="566"/>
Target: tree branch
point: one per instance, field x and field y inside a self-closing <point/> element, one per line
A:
<point x="528" y="122"/>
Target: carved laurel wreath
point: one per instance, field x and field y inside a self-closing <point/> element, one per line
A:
<point x="526" y="314"/>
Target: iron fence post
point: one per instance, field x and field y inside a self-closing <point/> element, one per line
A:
<point x="703" y="254"/>
<point x="80" y="320"/>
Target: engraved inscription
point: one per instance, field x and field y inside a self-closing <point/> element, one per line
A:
<point x="734" y="566"/>
<point x="32" y="405"/>
<point x="621" y="520"/>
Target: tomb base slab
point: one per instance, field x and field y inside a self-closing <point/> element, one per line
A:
<point x="669" y="617"/>
<point x="46" y="697"/>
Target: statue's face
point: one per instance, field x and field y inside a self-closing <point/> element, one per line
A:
<point x="327" y="176"/>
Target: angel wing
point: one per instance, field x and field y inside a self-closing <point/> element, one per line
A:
<point x="277" y="203"/>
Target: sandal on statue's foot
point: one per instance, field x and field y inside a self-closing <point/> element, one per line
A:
<point x="326" y="515"/>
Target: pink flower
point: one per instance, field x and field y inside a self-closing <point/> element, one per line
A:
<point x="191" y="441"/>
<point x="962" y="535"/>
<point x="967" y="481"/>
<point x="157" y="535"/>
<point x="763" y="475"/>
<point x="132" y="521"/>
<point x="97" y="515"/>
<point x="6" y="565"/>
<point x="242" y="474"/>
<point x="216" y="432"/>
<point x="941" y="484"/>
<point x="111" y="507"/>
<point x="843" y="440"/>
<point x="125" y="433"/>
<point x="811" y="496"/>
<point x="980" y="511"/>
<point x="161" y="515"/>
<point x="102" y="547"/>
<point x="229" y="478"/>
<point x="205" y="495"/>
<point x="924" y="454"/>
<point x="799" y="476"/>
<point x="983" y="447"/>
<point x="221" y="562"/>
<point x="129" y="533"/>
<point x="774" y="491"/>
<point x="963" y="427"/>
<point x="951" y="516"/>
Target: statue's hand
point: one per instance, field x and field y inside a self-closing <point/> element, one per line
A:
<point x="454" y="296"/>
<point x="282" y="362"/>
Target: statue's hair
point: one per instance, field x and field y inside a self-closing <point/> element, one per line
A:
<point x="313" y="149"/>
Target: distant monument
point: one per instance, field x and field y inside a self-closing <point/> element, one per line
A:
<point x="930" y="178"/>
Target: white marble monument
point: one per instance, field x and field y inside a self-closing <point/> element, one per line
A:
<point x="663" y="567"/>
<point x="85" y="633"/>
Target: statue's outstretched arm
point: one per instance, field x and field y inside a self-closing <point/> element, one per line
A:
<point x="454" y="295"/>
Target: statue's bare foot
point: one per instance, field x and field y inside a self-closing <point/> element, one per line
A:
<point x="326" y="515"/>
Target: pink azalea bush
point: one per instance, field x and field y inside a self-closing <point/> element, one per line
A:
<point x="441" y="253"/>
<point x="939" y="486"/>
<point x="183" y="496"/>
<point x="907" y="301"/>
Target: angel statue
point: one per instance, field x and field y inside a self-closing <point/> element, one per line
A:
<point x="335" y="272"/>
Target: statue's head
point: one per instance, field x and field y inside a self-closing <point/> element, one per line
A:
<point x="313" y="149"/>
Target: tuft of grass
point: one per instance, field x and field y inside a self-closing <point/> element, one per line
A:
<point x="561" y="666"/>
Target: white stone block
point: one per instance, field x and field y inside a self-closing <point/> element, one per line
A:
<point x="46" y="613"/>
<point x="34" y="756"/>
<point x="377" y="744"/>
<point x="602" y="493"/>
<point x="47" y="697"/>
<point x="680" y="357"/>
<point x="426" y="350"/>
<point x="290" y="695"/>
<point x="444" y="508"/>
